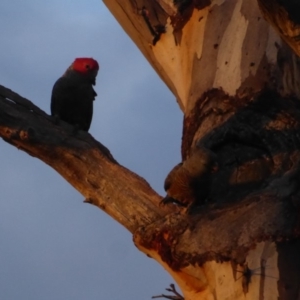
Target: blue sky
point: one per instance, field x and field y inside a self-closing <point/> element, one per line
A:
<point x="53" y="246"/>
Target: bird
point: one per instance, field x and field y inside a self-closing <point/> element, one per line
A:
<point x="73" y="93"/>
<point x="189" y="181"/>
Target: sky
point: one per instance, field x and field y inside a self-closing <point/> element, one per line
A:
<point x="54" y="246"/>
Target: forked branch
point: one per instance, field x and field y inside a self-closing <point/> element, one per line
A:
<point x="84" y="162"/>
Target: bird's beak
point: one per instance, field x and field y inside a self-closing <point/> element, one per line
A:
<point x="169" y="199"/>
<point x="94" y="75"/>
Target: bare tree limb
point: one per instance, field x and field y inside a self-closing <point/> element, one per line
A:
<point x="81" y="160"/>
<point x="170" y="289"/>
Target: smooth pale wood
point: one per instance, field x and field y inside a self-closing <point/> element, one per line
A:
<point x="224" y="280"/>
<point x="225" y="45"/>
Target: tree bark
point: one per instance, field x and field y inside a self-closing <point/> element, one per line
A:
<point x="237" y="84"/>
<point x="283" y="15"/>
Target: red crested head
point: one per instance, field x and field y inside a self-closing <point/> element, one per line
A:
<point x="83" y="68"/>
<point x="85" y="65"/>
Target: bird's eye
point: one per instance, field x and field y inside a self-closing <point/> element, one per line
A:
<point x="87" y="67"/>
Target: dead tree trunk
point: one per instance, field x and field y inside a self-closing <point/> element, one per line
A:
<point x="237" y="84"/>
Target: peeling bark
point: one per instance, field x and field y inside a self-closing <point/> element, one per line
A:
<point x="216" y="44"/>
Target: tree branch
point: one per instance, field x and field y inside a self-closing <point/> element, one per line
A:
<point x="170" y="289"/>
<point x="85" y="163"/>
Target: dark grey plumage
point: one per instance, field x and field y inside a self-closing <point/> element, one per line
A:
<point x="73" y="93"/>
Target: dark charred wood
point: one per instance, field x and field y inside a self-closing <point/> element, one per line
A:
<point x="283" y="15"/>
<point x="292" y="7"/>
<point x="255" y="194"/>
<point x="289" y="265"/>
<point x="221" y="233"/>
